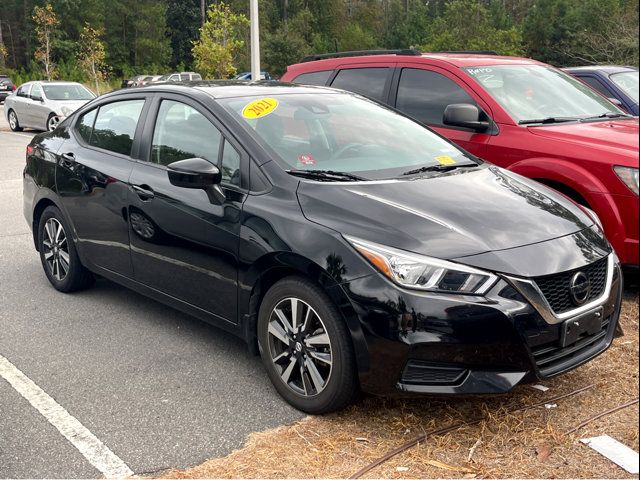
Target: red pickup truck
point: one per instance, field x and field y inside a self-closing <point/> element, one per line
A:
<point x="517" y="113"/>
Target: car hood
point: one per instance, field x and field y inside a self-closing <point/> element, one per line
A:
<point x="615" y="135"/>
<point x="72" y="104"/>
<point x="446" y="215"/>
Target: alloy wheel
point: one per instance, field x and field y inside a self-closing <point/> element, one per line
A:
<point x="56" y="249"/>
<point x="300" y="347"/>
<point x="13" y="120"/>
<point x="53" y="122"/>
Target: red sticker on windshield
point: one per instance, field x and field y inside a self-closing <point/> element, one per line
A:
<point x="306" y="159"/>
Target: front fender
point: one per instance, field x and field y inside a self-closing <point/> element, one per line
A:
<point x="562" y="171"/>
<point x="276" y="265"/>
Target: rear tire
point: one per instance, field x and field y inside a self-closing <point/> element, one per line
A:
<point x="58" y="253"/>
<point x="14" y="125"/>
<point x="306" y="347"/>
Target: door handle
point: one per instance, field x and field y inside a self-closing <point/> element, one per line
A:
<point x="67" y="159"/>
<point x="145" y="192"/>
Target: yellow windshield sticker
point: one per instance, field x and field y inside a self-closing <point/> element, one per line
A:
<point x="445" y="160"/>
<point x="260" y="108"/>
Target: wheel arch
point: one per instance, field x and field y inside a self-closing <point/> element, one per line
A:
<point x="563" y="176"/>
<point x="270" y="269"/>
<point x="39" y="208"/>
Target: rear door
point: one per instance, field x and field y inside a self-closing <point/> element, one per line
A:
<point x="93" y="168"/>
<point x="424" y="92"/>
<point x="37" y="111"/>
<point x="20" y="104"/>
<point x="183" y="243"/>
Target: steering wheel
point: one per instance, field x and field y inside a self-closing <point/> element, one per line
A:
<point x="349" y="146"/>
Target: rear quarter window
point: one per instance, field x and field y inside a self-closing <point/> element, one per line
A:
<point x="314" y="78"/>
<point x="369" y="82"/>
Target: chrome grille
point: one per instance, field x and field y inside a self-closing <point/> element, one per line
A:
<point x="555" y="288"/>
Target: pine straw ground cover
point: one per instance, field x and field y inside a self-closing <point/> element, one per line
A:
<point x="529" y="443"/>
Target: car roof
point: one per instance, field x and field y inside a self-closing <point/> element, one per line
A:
<point x="601" y="68"/>
<point x="461" y="60"/>
<point x="234" y="88"/>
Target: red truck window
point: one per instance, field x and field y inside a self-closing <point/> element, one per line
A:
<point x="424" y="95"/>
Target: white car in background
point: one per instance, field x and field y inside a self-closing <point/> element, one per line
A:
<point x="43" y="105"/>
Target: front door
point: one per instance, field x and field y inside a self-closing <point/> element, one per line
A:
<point x="424" y="94"/>
<point x="183" y="243"/>
<point x="93" y="168"/>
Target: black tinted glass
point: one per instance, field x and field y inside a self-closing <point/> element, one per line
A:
<point x="314" y="78"/>
<point x="182" y="132"/>
<point x="230" y="165"/>
<point x="596" y="85"/>
<point x="85" y="125"/>
<point x="365" y="81"/>
<point x="424" y="95"/>
<point x="116" y="125"/>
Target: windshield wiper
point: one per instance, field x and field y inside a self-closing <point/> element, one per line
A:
<point x="439" y="168"/>
<point x="326" y="175"/>
<point x="548" y="120"/>
<point x="608" y="115"/>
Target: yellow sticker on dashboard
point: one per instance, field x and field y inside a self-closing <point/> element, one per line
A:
<point x="260" y="108"/>
<point x="445" y="160"/>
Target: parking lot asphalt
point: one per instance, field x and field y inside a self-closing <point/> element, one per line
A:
<point x="157" y="387"/>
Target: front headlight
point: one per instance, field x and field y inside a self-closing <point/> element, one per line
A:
<point x="66" y="111"/>
<point x="420" y="272"/>
<point x="629" y="177"/>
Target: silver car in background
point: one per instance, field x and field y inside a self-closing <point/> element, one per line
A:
<point x="43" y="105"/>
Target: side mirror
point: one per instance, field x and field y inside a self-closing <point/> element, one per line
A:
<point x="36" y="98"/>
<point x="464" y="115"/>
<point x="616" y="102"/>
<point x="197" y="173"/>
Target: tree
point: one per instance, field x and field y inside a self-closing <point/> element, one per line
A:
<point x="574" y="32"/>
<point x="476" y="32"/>
<point x="92" y="54"/>
<point x="46" y="23"/>
<point x="221" y="40"/>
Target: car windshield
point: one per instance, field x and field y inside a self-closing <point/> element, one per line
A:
<point x="628" y="82"/>
<point x="341" y="133"/>
<point x="67" y="92"/>
<point x="531" y="92"/>
<point x="164" y="77"/>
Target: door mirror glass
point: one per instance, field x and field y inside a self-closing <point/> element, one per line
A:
<point x="464" y="115"/>
<point x="193" y="173"/>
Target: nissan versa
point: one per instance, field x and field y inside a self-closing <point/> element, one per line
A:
<point x="352" y="247"/>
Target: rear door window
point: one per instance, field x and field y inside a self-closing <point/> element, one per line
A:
<point x="115" y="126"/>
<point x="84" y="126"/>
<point x="314" y="78"/>
<point x="369" y="82"/>
<point x="424" y="95"/>
<point x="23" y="91"/>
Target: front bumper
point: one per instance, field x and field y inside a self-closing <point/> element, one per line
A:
<point x="421" y="342"/>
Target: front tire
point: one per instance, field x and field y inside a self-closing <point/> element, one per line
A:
<point x="306" y="347"/>
<point x="58" y="253"/>
<point x="14" y="125"/>
<point x="52" y="122"/>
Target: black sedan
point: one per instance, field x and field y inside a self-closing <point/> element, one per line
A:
<point x="352" y="247"/>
